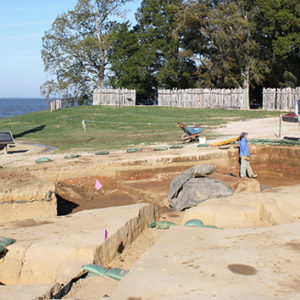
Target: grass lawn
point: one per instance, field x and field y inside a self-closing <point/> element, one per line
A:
<point x="115" y="127"/>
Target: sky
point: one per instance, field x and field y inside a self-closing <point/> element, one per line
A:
<point x="22" y="26"/>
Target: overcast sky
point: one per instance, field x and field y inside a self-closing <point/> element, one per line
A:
<point x="22" y="26"/>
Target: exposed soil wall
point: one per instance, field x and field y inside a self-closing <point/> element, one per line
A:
<point x="24" y="196"/>
<point x="144" y="182"/>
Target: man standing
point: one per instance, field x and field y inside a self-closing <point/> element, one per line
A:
<point x="245" y="157"/>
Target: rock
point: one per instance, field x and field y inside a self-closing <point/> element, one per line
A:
<point x="239" y="185"/>
<point x="197" y="190"/>
<point x="180" y="180"/>
<point x="246" y="185"/>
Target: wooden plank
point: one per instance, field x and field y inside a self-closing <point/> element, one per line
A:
<point x="225" y="142"/>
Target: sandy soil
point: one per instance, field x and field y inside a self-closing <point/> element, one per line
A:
<point x="269" y="128"/>
<point x="130" y="189"/>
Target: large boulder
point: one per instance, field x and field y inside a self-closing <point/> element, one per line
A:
<point x="197" y="190"/>
<point x="180" y="180"/>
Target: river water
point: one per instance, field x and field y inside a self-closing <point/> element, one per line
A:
<point x="10" y="107"/>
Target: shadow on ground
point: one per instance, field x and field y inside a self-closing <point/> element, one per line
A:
<point x="32" y="130"/>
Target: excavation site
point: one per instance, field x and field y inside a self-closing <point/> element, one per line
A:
<point x="106" y="226"/>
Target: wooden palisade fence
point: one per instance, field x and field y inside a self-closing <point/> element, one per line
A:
<point x="55" y="104"/>
<point x="204" y="98"/>
<point x="117" y="97"/>
<point x="280" y="99"/>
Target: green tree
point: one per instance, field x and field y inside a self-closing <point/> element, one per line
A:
<point x="76" y="48"/>
<point x="278" y="28"/>
<point x="161" y="43"/>
<point x="149" y="57"/>
<point x="128" y="64"/>
<point x="220" y="35"/>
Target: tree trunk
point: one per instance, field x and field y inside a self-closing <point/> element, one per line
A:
<point x="246" y="79"/>
<point x="101" y="71"/>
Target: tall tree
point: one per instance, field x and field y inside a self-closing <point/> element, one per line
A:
<point x="159" y="41"/>
<point x="128" y="68"/>
<point x="278" y="33"/>
<point x="76" y="48"/>
<point x="148" y="57"/>
<point x="220" y="35"/>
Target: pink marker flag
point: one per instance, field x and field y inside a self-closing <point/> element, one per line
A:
<point x="98" y="185"/>
<point x="105" y="234"/>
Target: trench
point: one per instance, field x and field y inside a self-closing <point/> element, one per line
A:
<point x="274" y="165"/>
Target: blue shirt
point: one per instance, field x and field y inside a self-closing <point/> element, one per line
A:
<point x="244" y="149"/>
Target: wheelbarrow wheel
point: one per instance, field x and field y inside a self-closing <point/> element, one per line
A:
<point x="186" y="138"/>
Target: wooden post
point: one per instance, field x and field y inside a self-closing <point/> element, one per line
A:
<point x="279" y="130"/>
<point x="83" y="124"/>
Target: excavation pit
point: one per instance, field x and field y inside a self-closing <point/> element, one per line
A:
<point x="135" y="183"/>
<point x="275" y="166"/>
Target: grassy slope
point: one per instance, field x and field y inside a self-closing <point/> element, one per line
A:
<point x="115" y="127"/>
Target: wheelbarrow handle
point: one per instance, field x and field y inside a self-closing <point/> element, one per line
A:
<point x="180" y="124"/>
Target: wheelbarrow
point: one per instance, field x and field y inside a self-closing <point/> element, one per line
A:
<point x="191" y="133"/>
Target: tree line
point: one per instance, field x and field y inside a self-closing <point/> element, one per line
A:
<point x="174" y="44"/>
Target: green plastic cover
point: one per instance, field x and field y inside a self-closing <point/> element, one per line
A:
<point x="91" y="274"/>
<point x="152" y="225"/>
<point x="102" y="153"/>
<point x="176" y="147"/>
<point x="2" y="249"/>
<point x="6" y="241"/>
<point x="160" y="149"/>
<point x="211" y="226"/>
<point x="194" y="223"/>
<point x="42" y="159"/>
<point x="72" y="156"/>
<point x="164" y="224"/>
<point x="116" y="273"/>
<point x="131" y="150"/>
<point x="273" y="142"/>
<point x="95" y="269"/>
<point x="198" y="223"/>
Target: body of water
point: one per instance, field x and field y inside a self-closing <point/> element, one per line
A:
<point x="10" y="107"/>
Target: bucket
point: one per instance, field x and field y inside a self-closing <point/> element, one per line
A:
<point x="202" y="140"/>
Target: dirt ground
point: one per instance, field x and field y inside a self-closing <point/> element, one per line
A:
<point x="77" y="193"/>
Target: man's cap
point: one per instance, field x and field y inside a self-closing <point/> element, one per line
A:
<point x="243" y="134"/>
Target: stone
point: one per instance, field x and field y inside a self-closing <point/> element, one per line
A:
<point x="246" y="186"/>
<point x="180" y="180"/>
<point x="197" y="190"/>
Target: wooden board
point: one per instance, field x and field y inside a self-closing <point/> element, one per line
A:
<point x="225" y="142"/>
<point x="6" y="138"/>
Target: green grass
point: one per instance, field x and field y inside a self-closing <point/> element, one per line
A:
<point x="115" y="127"/>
